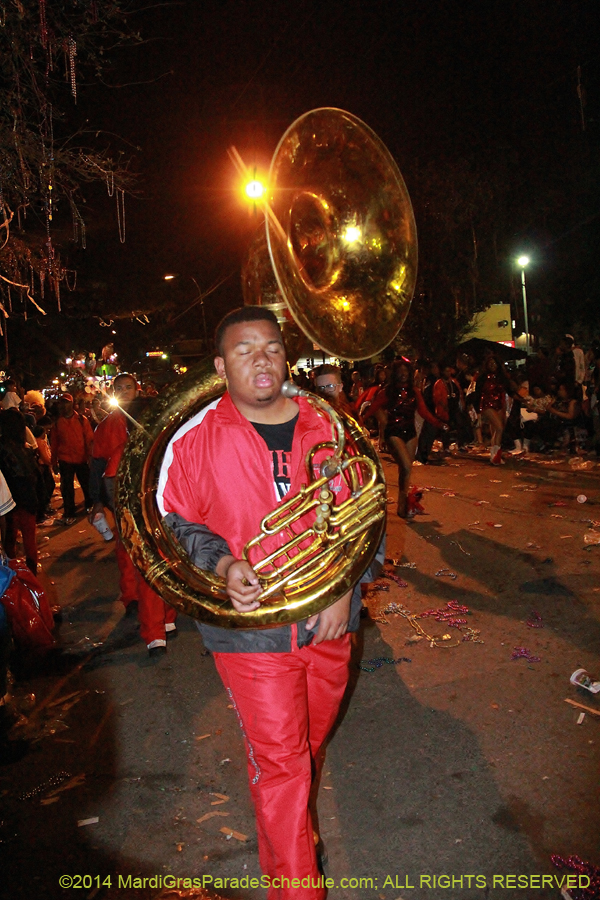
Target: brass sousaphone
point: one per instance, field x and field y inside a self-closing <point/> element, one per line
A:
<point x="342" y="244"/>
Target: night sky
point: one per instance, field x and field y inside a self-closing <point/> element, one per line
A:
<point x="435" y="80"/>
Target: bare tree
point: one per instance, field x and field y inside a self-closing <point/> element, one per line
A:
<point x="47" y="157"/>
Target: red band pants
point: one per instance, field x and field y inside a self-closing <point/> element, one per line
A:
<point x="21" y="520"/>
<point x="287" y="704"/>
<point x="153" y="612"/>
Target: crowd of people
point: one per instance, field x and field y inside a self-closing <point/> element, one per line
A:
<point x="53" y="442"/>
<point x="547" y="403"/>
<point x="417" y="411"/>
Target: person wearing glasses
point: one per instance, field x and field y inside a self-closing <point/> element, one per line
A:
<point x="328" y="384"/>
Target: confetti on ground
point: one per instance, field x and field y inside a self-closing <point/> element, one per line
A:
<point x="456" y="544"/>
<point x="445" y="573"/>
<point x="209" y="815"/>
<point x="202" y="736"/>
<point x="535" y="620"/>
<point x="524" y="653"/>
<point x="448" y="614"/>
<point x="396" y="578"/>
<point x="93" y="820"/>
<point x="229" y="833"/>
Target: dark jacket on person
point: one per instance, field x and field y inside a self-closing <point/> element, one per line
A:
<point x="22" y="475"/>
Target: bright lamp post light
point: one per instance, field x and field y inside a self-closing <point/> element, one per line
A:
<point x="255" y="189"/>
<point x="524" y="261"/>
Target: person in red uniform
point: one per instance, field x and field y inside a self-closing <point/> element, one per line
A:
<point x="402" y="401"/>
<point x="157" y="618"/>
<point x="222" y="473"/>
<point x="490" y="393"/>
<point x="71" y="440"/>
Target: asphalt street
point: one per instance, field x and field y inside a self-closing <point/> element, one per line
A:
<point x="450" y="759"/>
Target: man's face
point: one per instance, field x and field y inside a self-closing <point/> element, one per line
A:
<point x="329" y="386"/>
<point x="253" y="363"/>
<point x="125" y="390"/>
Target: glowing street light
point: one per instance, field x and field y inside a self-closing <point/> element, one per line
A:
<point x="255" y="189"/>
<point x="524" y="261"/>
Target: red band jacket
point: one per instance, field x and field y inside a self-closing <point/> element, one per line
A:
<point x="218" y="472"/>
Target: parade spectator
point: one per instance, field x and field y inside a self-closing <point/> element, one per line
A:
<point x="564" y="413"/>
<point x="23" y="479"/>
<point x="517" y="392"/>
<point x="565" y="360"/>
<point x="6" y="504"/>
<point x="539" y="368"/>
<point x="11" y="397"/>
<point x="37" y="405"/>
<point x="357" y="387"/>
<point x="579" y="358"/>
<point x="449" y="408"/>
<point x="71" y="440"/>
<point x="302" y="379"/>
<point x="28" y="415"/>
<point x="44" y="460"/>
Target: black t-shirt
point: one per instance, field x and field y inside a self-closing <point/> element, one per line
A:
<point x="278" y="439"/>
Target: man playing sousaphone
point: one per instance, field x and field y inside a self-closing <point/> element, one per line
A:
<point x="223" y="471"/>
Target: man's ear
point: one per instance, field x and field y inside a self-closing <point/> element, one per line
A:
<point x="220" y="366"/>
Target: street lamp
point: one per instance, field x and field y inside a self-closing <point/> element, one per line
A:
<point x="255" y="189"/>
<point x="523" y="261"/>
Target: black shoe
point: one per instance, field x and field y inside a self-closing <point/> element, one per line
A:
<point x="156" y="652"/>
<point x="171" y="635"/>
<point x="322" y="856"/>
<point x="131" y="609"/>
